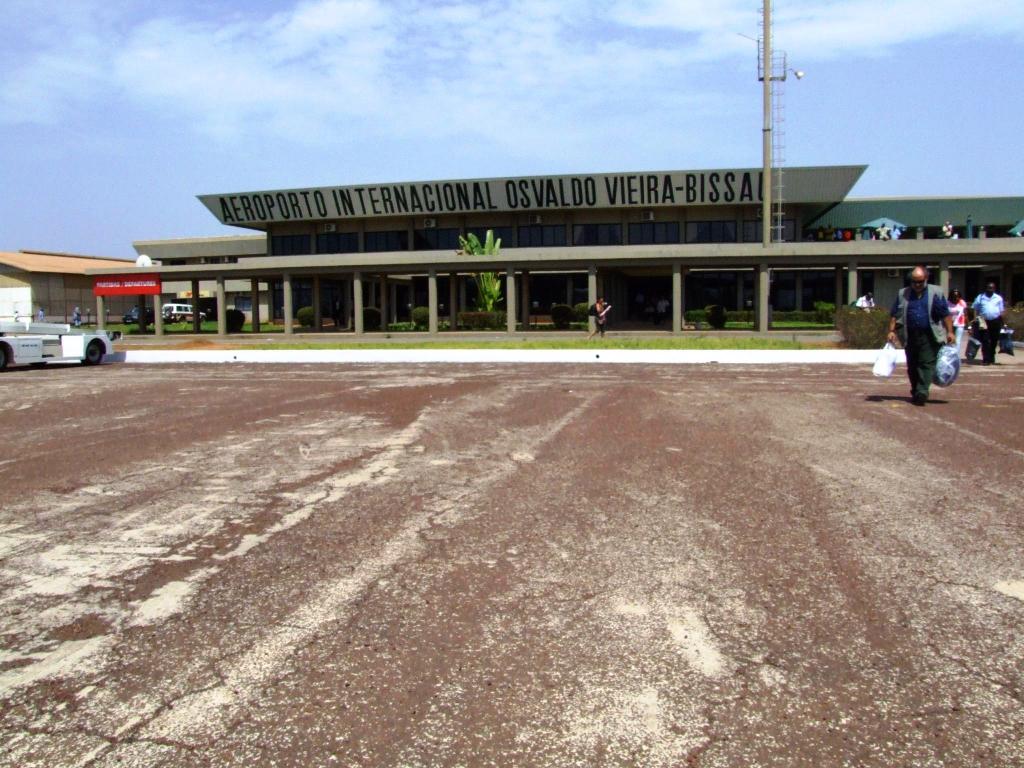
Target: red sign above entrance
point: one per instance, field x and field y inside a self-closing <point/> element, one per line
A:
<point x="127" y="285"/>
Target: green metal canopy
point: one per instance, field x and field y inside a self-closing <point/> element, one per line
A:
<point x="1017" y="230"/>
<point x="882" y="221"/>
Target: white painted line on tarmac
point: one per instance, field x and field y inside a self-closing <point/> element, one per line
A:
<point x="516" y="356"/>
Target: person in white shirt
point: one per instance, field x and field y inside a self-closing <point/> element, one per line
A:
<point x="867" y="301"/>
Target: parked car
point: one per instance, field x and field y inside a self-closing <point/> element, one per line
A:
<point x="132" y="316"/>
<point x="175" y="313"/>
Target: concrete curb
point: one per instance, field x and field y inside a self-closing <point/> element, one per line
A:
<point x="518" y="356"/>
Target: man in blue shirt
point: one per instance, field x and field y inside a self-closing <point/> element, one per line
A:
<point x="920" y="320"/>
<point x="989" y="307"/>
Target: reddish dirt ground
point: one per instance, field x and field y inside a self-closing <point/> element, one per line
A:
<point x="509" y="566"/>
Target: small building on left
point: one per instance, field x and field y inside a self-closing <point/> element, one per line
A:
<point x="56" y="283"/>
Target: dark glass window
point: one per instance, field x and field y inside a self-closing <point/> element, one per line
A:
<point x="436" y="240"/>
<point x="752" y="231"/>
<point x="337" y="242"/>
<point x="541" y="236"/>
<point x="597" y="234"/>
<point x="289" y="245"/>
<point x="393" y="240"/>
<point x="654" y="233"/>
<point x="711" y="231"/>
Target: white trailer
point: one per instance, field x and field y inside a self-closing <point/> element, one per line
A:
<point x="28" y="343"/>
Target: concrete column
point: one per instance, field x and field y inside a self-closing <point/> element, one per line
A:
<point x="393" y="287"/>
<point x="763" y="286"/>
<point x="221" y="308"/>
<point x="591" y="294"/>
<point x="453" y="301"/>
<point x="510" y="299"/>
<point x="839" y="287"/>
<point x="432" y="300"/>
<point x="944" y="276"/>
<point x="919" y="233"/>
<point x="799" y="290"/>
<point x="384" y="308"/>
<point x="101" y="312"/>
<point x="677" y="297"/>
<point x="197" y="325"/>
<point x="158" y="315"/>
<point x="254" y="293"/>
<point x="318" y="310"/>
<point x="983" y="234"/>
<point x="525" y="293"/>
<point x="357" y="303"/>
<point x="289" y="312"/>
<point x="462" y="294"/>
<point x="852" y="289"/>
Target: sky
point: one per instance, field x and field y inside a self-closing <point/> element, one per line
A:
<point x="115" y="115"/>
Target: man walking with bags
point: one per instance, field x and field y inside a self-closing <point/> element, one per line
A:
<point x="989" y="307"/>
<point x="920" y="320"/>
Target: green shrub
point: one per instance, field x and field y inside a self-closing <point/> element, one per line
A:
<point x="562" y="315"/>
<point x="695" y="316"/>
<point x="580" y="312"/>
<point x="741" y="316"/>
<point x="860" y="329"/>
<point x="825" y="311"/>
<point x="305" y="316"/>
<point x="483" y="321"/>
<point x="371" y="319"/>
<point x="716" y="316"/>
<point x="421" y="317"/>
<point x="1014" y="318"/>
<point x="401" y="326"/>
<point x="235" y="319"/>
<point x="797" y="316"/>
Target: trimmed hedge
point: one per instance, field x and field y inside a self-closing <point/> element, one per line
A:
<point x="371" y="319"/>
<point x="581" y="312"/>
<point x="483" y="321"/>
<point x="305" y="316"/>
<point x="860" y="329"/>
<point x="421" y="317"/>
<point x="562" y="316"/>
<point x="715" y="316"/>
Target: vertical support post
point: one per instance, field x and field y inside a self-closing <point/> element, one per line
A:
<point x="852" y="288"/>
<point x="101" y="312"/>
<point x="510" y="299"/>
<point x="222" y="310"/>
<point x="394" y="302"/>
<point x="591" y="295"/>
<point x="197" y="324"/>
<point x="357" y="303"/>
<point x="766" y="132"/>
<point x="763" y="287"/>
<point x="158" y="314"/>
<point x="384" y="308"/>
<point x="524" y="292"/>
<point x="432" y="300"/>
<point x="677" y="297"/>
<point x="944" y="276"/>
<point x="254" y="293"/>
<point x="839" y="287"/>
<point x="318" y="310"/>
<point x="289" y="314"/>
<point x="453" y="301"/>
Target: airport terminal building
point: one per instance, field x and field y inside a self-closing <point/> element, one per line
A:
<point x="691" y="238"/>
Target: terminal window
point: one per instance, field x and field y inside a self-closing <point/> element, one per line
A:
<point x="752" y="231"/>
<point x="391" y="240"/>
<point x="337" y="242"/>
<point x="290" y="245"/>
<point x="711" y="231"/>
<point x="436" y="240"/>
<point x="597" y="234"/>
<point x="654" y="233"/>
<point x="504" y="234"/>
<point x="541" y="236"/>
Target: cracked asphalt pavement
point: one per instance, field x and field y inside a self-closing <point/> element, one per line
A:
<point x="504" y="565"/>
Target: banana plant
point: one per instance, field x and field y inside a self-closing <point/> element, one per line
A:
<point x="488" y="284"/>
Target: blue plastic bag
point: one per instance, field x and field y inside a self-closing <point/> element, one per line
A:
<point x="947" y="366"/>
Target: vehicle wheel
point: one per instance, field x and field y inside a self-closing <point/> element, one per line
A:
<point x="3" y="357"/>
<point x="93" y="353"/>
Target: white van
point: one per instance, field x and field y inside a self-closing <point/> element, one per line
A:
<point x="175" y="313"/>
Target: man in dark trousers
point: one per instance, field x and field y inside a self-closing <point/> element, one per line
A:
<point x="920" y="320"/>
<point x="989" y="306"/>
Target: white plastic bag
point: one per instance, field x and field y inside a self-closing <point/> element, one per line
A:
<point x="947" y="366"/>
<point x="885" y="363"/>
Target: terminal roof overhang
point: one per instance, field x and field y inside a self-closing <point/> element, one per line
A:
<point x="821" y="186"/>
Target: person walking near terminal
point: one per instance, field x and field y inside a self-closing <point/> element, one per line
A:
<point x="599" y="311"/>
<point x="989" y="307"/>
<point x="920" y="320"/>
<point x="867" y="301"/>
<point x="958" y="313"/>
